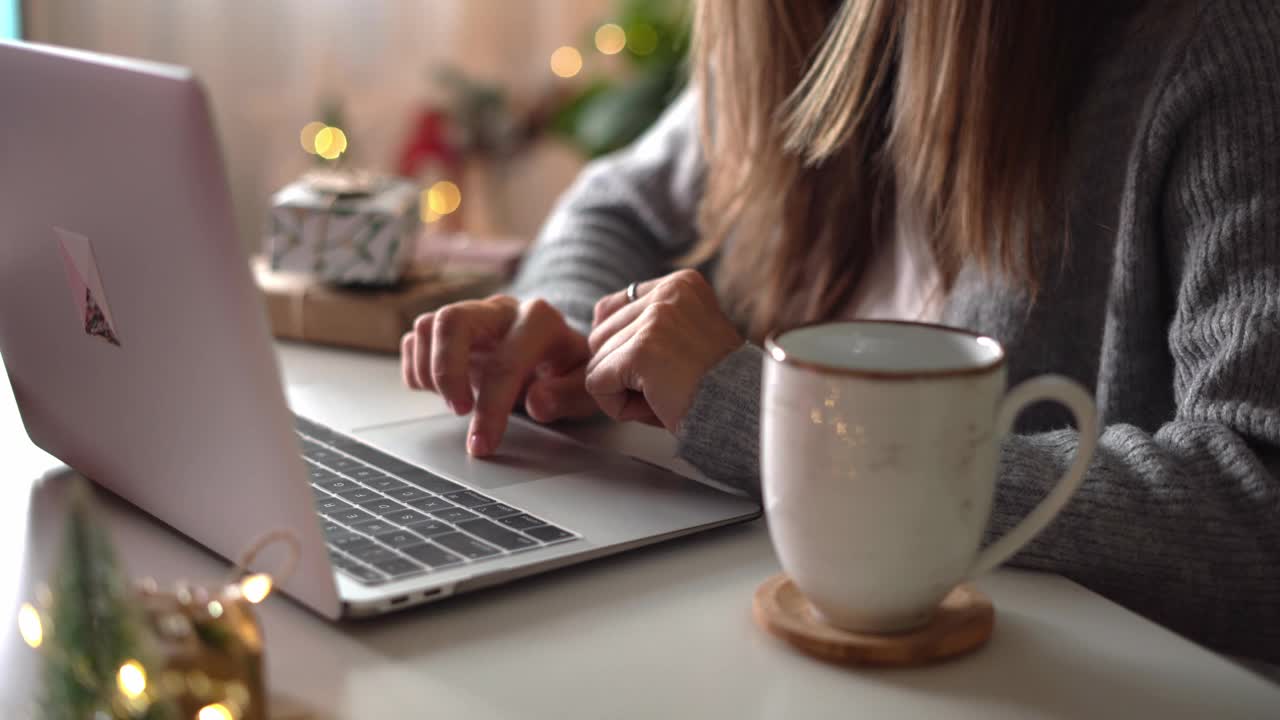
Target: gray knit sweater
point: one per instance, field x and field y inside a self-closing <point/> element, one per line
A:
<point x="1167" y="304"/>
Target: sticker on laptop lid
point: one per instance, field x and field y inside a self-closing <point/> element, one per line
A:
<point x="86" y="286"/>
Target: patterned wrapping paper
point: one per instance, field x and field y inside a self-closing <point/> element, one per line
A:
<point x="344" y="239"/>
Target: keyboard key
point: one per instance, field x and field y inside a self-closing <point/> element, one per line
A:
<point x="350" y="516"/>
<point x="319" y="493"/>
<point x="319" y="473"/>
<point x="428" y="528"/>
<point x="364" y="474"/>
<point x="468" y="498"/>
<point x="385" y="483"/>
<point x="502" y="537"/>
<point x="455" y="515"/>
<point x="328" y="527"/>
<point x="350" y="541"/>
<point x="370" y="455"/>
<point x="399" y="567"/>
<point x="345" y="562"/>
<point x="431" y="504"/>
<point x="393" y="466"/>
<point x="339" y="536"/>
<point x="340" y="463"/>
<point x="373" y="554"/>
<point x="384" y="462"/>
<point x="465" y="545"/>
<point x="360" y="572"/>
<point x="342" y="442"/>
<point x="520" y="522"/>
<point x="496" y="510"/>
<point x="398" y="538"/>
<point x="382" y="506"/>
<point x="428" y="481"/>
<point x="318" y="453"/>
<point x="330" y="505"/>
<point x="431" y="555"/>
<point x="549" y="533"/>
<point x="404" y="516"/>
<point x="359" y="495"/>
<point x="406" y="494"/>
<point x="373" y="526"/>
<point x="336" y="484"/>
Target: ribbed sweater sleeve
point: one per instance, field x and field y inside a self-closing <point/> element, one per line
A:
<point x="1183" y="524"/>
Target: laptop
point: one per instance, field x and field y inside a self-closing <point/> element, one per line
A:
<point x="138" y="351"/>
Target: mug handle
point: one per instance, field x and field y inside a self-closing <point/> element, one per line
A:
<point x="1077" y="400"/>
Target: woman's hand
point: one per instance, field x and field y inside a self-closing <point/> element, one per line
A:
<point x="487" y="354"/>
<point x="648" y="356"/>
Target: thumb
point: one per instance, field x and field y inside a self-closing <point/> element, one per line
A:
<point x="555" y="397"/>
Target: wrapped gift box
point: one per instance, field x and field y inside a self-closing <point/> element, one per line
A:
<point x="344" y="228"/>
<point x="300" y="307"/>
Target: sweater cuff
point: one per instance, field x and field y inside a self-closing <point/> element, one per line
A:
<point x="720" y="434"/>
<point x="1029" y="467"/>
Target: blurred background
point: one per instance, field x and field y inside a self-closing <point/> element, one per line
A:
<point x="502" y="101"/>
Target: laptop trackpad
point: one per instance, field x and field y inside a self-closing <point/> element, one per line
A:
<point x="527" y="453"/>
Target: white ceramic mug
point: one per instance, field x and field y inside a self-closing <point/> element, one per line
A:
<point x="878" y="451"/>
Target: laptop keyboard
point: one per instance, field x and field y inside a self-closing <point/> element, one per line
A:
<point x="385" y="519"/>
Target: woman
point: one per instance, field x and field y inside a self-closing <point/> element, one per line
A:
<point x="1097" y="187"/>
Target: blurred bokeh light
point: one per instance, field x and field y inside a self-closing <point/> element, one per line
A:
<point x="611" y="39"/>
<point x="566" y="61"/>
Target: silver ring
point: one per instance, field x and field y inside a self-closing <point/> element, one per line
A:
<point x="631" y="293"/>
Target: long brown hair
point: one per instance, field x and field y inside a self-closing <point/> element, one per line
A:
<point x="824" y="119"/>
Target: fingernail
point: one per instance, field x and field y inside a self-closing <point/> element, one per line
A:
<point x="476" y="445"/>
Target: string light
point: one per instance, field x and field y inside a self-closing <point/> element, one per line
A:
<point x="444" y="197"/>
<point x="215" y="609"/>
<point x="256" y="588"/>
<point x="330" y="143"/>
<point x="324" y="140"/>
<point x="610" y="39"/>
<point x="642" y="39"/>
<point x="566" y="61"/>
<point x="131" y="679"/>
<point x="308" y="136"/>
<point x="30" y="626"/>
<point x="215" y="711"/>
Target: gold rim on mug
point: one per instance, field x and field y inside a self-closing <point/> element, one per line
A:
<point x="780" y="355"/>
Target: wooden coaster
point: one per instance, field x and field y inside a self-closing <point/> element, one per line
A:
<point x="962" y="624"/>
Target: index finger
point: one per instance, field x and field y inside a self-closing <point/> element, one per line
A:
<point x="538" y="335"/>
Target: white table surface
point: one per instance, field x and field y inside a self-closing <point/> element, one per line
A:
<point x="659" y="632"/>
